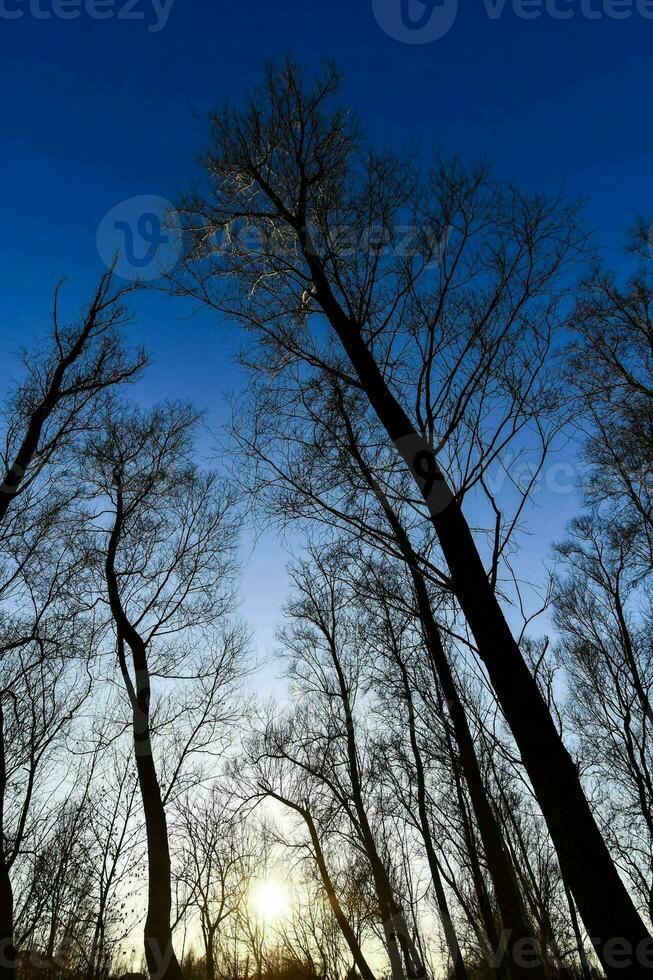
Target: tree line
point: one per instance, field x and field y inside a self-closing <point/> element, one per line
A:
<point x="459" y="776"/>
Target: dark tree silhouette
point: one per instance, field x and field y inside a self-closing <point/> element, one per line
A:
<point x="166" y="559"/>
<point x="58" y="401"/>
<point x="292" y="187"/>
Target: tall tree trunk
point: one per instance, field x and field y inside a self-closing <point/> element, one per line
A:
<point x="343" y="922"/>
<point x="7" y="949"/>
<point x="492" y="932"/>
<point x="453" y="946"/>
<point x="210" y="954"/>
<point x="531" y="888"/>
<point x="160" y="955"/>
<point x="499" y="865"/>
<point x="347" y="931"/>
<point x="159" y="951"/>
<point x="602" y="898"/>
<point x="13" y="477"/>
<point x="584" y="962"/>
<point x="501" y="870"/>
<point x="587" y="867"/>
<point x="398" y="938"/>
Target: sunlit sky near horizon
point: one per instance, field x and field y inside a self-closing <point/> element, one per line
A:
<point x="96" y="111"/>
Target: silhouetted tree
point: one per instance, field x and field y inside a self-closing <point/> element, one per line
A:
<point x="165" y="537"/>
<point x="488" y="271"/>
<point x="59" y="399"/>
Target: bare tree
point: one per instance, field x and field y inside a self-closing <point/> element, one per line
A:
<point x="605" y="620"/>
<point x="326" y="468"/>
<point x="164" y="543"/>
<point x="58" y="400"/>
<point x="610" y="372"/>
<point x="73" y="906"/>
<point x="327" y="742"/>
<point x="603" y="602"/>
<point x="293" y="172"/>
<point x="271" y="789"/>
<point x="42" y="691"/>
<point x="311" y="935"/>
<point x="216" y="861"/>
<point x="115" y="845"/>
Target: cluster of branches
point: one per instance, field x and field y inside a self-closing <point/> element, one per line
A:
<point x="394" y="385"/>
<point x="121" y="659"/>
<point x="446" y="791"/>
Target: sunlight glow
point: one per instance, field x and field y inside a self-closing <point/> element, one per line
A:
<point x="270" y="900"/>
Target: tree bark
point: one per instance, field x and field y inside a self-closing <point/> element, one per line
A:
<point x="210" y="956"/>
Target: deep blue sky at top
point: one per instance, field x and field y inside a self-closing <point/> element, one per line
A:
<point x="95" y="111"/>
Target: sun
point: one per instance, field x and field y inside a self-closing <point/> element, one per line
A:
<point x="270" y="900"/>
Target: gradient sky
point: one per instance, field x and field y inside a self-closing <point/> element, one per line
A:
<point x="96" y="111"/>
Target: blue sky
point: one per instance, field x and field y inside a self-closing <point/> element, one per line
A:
<point x="97" y="111"/>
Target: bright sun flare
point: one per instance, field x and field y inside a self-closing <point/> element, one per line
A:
<point x="270" y="900"/>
